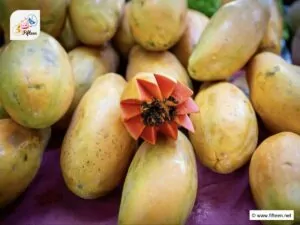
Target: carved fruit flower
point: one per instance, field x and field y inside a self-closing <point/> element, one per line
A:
<point x="154" y="103"/>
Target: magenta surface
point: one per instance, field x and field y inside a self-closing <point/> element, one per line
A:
<point x="221" y="200"/>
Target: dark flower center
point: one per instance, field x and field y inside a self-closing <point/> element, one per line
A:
<point x="157" y="112"/>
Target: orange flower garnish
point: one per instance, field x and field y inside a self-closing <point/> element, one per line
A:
<point x="154" y="103"/>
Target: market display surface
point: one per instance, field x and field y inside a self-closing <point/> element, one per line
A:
<point x="149" y="112"/>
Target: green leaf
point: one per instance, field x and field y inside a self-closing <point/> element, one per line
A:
<point x="208" y="7"/>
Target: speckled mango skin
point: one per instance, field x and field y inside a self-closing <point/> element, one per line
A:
<point x="20" y="158"/>
<point x="37" y="84"/>
<point x="3" y="113"/>
<point x="228" y="41"/>
<point x="157" y="25"/>
<point x="274" y="175"/>
<point x="274" y="92"/>
<point x="88" y="63"/>
<point x="97" y="148"/>
<point x="123" y="39"/>
<point x="165" y="62"/>
<point x="53" y="13"/>
<point x="95" y="22"/>
<point x="196" y="23"/>
<point x="273" y="35"/>
<point x="226" y="130"/>
<point x="161" y="184"/>
<point x="68" y="39"/>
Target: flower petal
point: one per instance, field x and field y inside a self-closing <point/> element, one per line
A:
<point x="135" y="92"/>
<point x="130" y="110"/>
<point x="149" y="135"/>
<point x="185" y="121"/>
<point x="181" y="92"/>
<point x="189" y="106"/>
<point x="166" y="85"/>
<point x="169" y="129"/>
<point x="135" y="126"/>
<point x="151" y="86"/>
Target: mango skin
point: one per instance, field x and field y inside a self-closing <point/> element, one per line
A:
<point x="88" y="63"/>
<point x="196" y="23"/>
<point x="68" y="39"/>
<point x="123" y="39"/>
<point x="20" y="159"/>
<point x="161" y="184"/>
<point x="95" y="22"/>
<point x="264" y="3"/>
<point x="225" y="47"/>
<point x="165" y="62"/>
<point x="157" y="25"/>
<point x="274" y="92"/>
<point x="53" y="14"/>
<point x="37" y="84"/>
<point x="272" y="39"/>
<point x="274" y="175"/>
<point x="226" y="129"/>
<point x="3" y="113"/>
<point x="97" y="149"/>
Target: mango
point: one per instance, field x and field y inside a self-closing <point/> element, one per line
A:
<point x="97" y="149"/>
<point x="88" y="63"/>
<point x="274" y="31"/>
<point x="196" y="23"/>
<point x="264" y="3"/>
<point x="68" y="39"/>
<point x="3" y="113"/>
<point x="165" y="62"/>
<point x="157" y="25"/>
<point x="123" y="39"/>
<point x="161" y="184"/>
<point x="274" y="91"/>
<point x="274" y="175"/>
<point x="37" y="84"/>
<point x="20" y="158"/>
<point x="226" y="129"/>
<point x="95" y="22"/>
<point x="228" y="41"/>
<point x="273" y="34"/>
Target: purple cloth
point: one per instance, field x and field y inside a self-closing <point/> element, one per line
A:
<point x="221" y="200"/>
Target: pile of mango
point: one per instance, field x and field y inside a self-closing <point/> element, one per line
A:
<point x="73" y="75"/>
